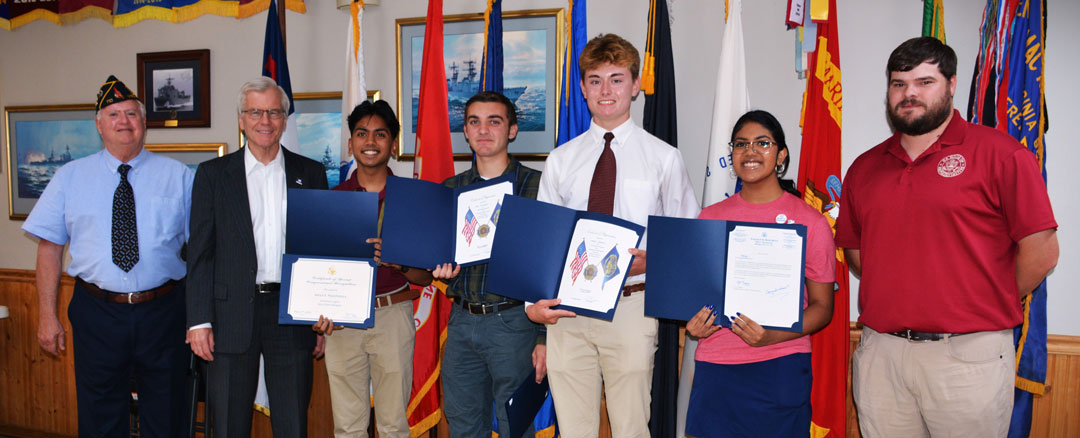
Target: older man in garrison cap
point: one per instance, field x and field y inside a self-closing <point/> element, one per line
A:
<point x="123" y="211"/>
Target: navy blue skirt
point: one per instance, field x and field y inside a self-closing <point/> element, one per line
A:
<point x="761" y="399"/>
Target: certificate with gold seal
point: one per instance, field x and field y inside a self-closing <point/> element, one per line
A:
<point x="338" y="288"/>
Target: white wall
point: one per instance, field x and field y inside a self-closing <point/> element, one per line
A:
<point x="41" y="63"/>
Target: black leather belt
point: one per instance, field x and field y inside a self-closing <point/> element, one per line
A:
<point x="486" y="308"/>
<point x="127" y="298"/>
<point x="912" y="335"/>
<point x="266" y="288"/>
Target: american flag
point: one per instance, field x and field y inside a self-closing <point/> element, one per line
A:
<point x="470" y="226"/>
<point x="579" y="261"/>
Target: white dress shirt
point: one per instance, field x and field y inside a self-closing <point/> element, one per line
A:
<point x="266" y="198"/>
<point x="650" y="176"/>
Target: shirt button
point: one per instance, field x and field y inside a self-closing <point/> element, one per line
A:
<point x="908" y="170"/>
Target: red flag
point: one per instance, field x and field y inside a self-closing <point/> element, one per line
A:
<point x="819" y="180"/>
<point x="434" y="162"/>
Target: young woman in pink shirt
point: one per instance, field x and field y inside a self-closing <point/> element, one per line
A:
<point x="752" y="381"/>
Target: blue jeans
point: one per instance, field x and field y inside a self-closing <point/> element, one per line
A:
<point x="485" y="359"/>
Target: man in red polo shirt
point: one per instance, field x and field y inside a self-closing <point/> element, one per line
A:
<point x="948" y="224"/>
<point x="384" y="352"/>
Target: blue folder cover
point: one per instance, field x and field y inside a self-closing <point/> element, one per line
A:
<point x="286" y="280"/>
<point x="688" y="263"/>
<point x="524" y="404"/>
<point x="418" y="221"/>
<point x="530" y="249"/>
<point x="331" y="223"/>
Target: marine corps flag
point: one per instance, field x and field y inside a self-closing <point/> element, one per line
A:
<point x="819" y="181"/>
<point x="434" y="163"/>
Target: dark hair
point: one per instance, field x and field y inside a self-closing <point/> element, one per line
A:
<point x="609" y="49"/>
<point x="769" y="122"/>
<point x="491" y="96"/>
<point x="918" y="50"/>
<point x="379" y="108"/>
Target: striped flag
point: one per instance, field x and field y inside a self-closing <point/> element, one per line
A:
<point x="574" y="116"/>
<point x="491" y="70"/>
<point x="355" y="89"/>
<point x="933" y="19"/>
<point x="580" y="259"/>
<point x="731" y="101"/>
<point x="819" y="181"/>
<point x="470" y="226"/>
<point x="434" y="163"/>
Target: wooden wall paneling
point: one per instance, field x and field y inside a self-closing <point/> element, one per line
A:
<point x="38" y="389"/>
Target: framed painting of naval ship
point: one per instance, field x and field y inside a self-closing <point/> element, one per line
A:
<point x="40" y="139"/>
<point x="191" y="154"/>
<point x="532" y="40"/>
<point x="175" y="86"/>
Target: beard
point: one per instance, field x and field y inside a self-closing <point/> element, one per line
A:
<point x="935" y="115"/>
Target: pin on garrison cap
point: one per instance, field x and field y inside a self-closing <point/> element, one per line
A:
<point x="113" y="91"/>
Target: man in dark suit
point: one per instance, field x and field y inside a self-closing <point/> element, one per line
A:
<point x="234" y="263"/>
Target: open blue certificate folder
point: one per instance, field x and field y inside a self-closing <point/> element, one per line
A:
<point x="756" y="269"/>
<point x="547" y="251"/>
<point x="427" y="224"/>
<point x="328" y="268"/>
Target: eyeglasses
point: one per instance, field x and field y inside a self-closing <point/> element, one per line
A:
<point x="760" y="146"/>
<point x="256" y="114"/>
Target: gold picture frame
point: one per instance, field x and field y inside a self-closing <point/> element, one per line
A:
<point x="463" y="42"/>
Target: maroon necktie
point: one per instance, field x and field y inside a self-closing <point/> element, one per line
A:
<point x="602" y="190"/>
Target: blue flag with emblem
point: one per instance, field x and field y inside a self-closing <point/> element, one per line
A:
<point x="1026" y="121"/>
<point x="574" y="116"/>
<point x="491" y="70"/>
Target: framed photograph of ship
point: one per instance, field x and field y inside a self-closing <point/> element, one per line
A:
<point x="175" y="86"/>
<point x="532" y="40"/>
<point x="40" y="139"/>
<point x="190" y="154"/>
<point x="319" y="129"/>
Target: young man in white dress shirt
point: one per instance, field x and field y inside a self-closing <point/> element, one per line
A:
<point x="649" y="179"/>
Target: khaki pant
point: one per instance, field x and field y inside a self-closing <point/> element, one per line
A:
<point x="961" y="386"/>
<point x="584" y="352"/>
<point x="382" y="355"/>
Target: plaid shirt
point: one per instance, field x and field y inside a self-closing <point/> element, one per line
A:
<point x="472" y="281"/>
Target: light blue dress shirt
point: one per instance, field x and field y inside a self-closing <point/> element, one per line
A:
<point x="76" y="206"/>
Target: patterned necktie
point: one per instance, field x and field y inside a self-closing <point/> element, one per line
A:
<point x="602" y="190"/>
<point x="125" y="238"/>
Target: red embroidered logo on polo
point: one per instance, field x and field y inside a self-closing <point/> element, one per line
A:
<point x="952" y="165"/>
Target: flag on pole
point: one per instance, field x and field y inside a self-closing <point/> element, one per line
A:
<point x="491" y="70"/>
<point x="658" y="83"/>
<point x="1026" y="107"/>
<point x="574" y="116"/>
<point x="434" y="163"/>
<point x="355" y="90"/>
<point x="730" y="102"/>
<point x="819" y="181"/>
<point x="276" y="67"/>
<point x="933" y="19"/>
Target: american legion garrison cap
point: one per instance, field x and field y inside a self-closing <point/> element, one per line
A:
<point x="113" y="91"/>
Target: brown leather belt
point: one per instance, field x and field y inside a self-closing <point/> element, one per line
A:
<point x="125" y="298"/>
<point x="633" y="288"/>
<point x="392" y="298"/>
